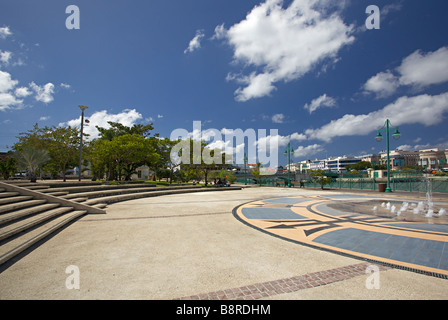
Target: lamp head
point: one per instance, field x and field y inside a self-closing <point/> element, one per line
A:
<point x="396" y="134"/>
<point x="379" y="137"/>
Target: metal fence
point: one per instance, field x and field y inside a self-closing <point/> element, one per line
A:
<point x="399" y="182"/>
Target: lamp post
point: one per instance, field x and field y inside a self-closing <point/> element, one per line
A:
<point x="245" y="169"/>
<point x="379" y="137"/>
<point x="288" y="152"/>
<point x="80" y="144"/>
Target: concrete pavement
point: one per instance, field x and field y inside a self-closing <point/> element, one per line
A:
<point x="189" y="245"/>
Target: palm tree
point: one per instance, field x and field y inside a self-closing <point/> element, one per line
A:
<point x="31" y="159"/>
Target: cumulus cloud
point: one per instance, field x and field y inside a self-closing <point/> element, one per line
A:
<point x="195" y="43"/>
<point x="307" y="151"/>
<point x="418" y="70"/>
<point x="384" y="84"/>
<point x="283" y="44"/>
<point x="5" y="56"/>
<point x="278" y="118"/>
<point x="6" y="82"/>
<point x="423" y="109"/>
<point x="5" y="32"/>
<point x="22" y="92"/>
<point x="127" y="117"/>
<point x="322" y="101"/>
<point x="43" y="93"/>
<point x="7" y="97"/>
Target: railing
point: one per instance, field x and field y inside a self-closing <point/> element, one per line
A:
<point x="411" y="183"/>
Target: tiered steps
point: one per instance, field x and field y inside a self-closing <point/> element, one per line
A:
<point x="25" y="220"/>
<point x="29" y="212"/>
<point x="100" y="196"/>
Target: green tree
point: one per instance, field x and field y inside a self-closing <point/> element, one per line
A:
<point x="256" y="172"/>
<point x="120" y="150"/>
<point x="31" y="159"/>
<point x="361" y="165"/>
<point x="61" y="143"/>
<point x="63" y="147"/>
<point x="320" y="177"/>
<point x="8" y="166"/>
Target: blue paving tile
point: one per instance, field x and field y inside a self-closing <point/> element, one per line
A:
<point x="286" y="200"/>
<point x="420" y="226"/>
<point x="327" y="210"/>
<point x="348" y="196"/>
<point x="429" y="253"/>
<point x="270" y="213"/>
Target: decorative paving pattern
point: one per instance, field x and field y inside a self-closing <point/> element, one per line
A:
<point x="308" y="220"/>
<point x="293" y="284"/>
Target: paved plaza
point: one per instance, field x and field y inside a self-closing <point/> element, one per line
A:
<point x="255" y="243"/>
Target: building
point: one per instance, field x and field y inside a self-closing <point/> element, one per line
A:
<point x="338" y="164"/>
<point x="398" y="159"/>
<point x="433" y="159"/>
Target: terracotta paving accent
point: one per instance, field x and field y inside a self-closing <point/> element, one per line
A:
<point x="271" y="288"/>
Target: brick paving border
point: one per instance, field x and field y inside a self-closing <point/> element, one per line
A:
<point x="271" y="288"/>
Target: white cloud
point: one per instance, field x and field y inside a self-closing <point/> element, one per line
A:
<point x="43" y="93"/>
<point x="322" y="101"/>
<point x="5" y="56"/>
<point x="65" y="86"/>
<point x="127" y="117"/>
<point x="22" y="92"/>
<point x="310" y="150"/>
<point x="384" y="84"/>
<point x="195" y="43"/>
<point x="7" y="98"/>
<point x="423" y="109"/>
<point x="6" y="83"/>
<point x="285" y="43"/>
<point x="220" y="32"/>
<point x="420" y="69"/>
<point x="4" y="32"/>
<point x="278" y="118"/>
<point x="44" y="118"/>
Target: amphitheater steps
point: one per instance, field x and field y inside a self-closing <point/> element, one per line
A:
<point x="24" y="220"/>
<point x="16" y="244"/>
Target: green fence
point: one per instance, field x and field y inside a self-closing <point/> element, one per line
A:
<point x="411" y="184"/>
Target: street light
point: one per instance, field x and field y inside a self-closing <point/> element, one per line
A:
<point x="396" y="135"/>
<point x="288" y="152"/>
<point x="80" y="144"/>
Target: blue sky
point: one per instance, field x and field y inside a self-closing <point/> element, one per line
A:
<point x="308" y="68"/>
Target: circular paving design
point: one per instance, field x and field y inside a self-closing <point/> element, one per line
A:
<point x="316" y="221"/>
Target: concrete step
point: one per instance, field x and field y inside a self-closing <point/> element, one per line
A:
<point x="36" y="187"/>
<point x="11" y="248"/>
<point x="58" y="193"/>
<point x="159" y="192"/>
<point x="29" y="222"/>
<point x="19" y="214"/>
<point x="109" y="192"/>
<point x="79" y="199"/>
<point x="14" y="199"/>
<point x="2" y="189"/>
<point x="20" y="205"/>
<point x="99" y="205"/>
<point x="8" y="194"/>
<point x="90" y="188"/>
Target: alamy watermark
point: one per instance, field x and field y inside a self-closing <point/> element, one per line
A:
<point x="373" y="280"/>
<point x="226" y="146"/>
<point x="73" y="280"/>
